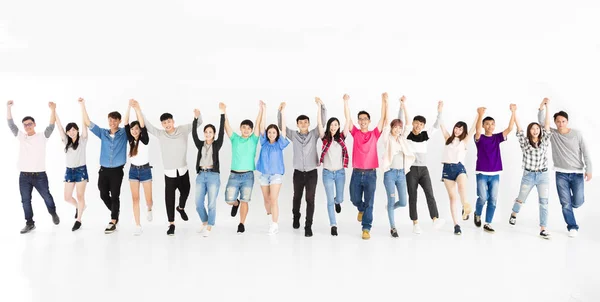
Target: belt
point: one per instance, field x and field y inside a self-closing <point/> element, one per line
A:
<point x="537" y="171"/>
<point x="33" y="173"/>
<point x="363" y="170"/>
<point x="205" y="170"/>
<point x="142" y="166"/>
<point x="240" y="172"/>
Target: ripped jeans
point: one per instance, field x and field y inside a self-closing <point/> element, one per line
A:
<point x="394" y="181"/>
<point x="541" y="181"/>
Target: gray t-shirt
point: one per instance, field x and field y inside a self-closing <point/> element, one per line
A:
<point x="333" y="160"/>
<point x="76" y="158"/>
<point x="207" y="155"/>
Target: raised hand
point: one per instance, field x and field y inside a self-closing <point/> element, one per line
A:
<point x="402" y="101"/>
<point x="52" y="105"/>
<point x="196" y="113"/>
<point x="440" y="106"/>
<point x="544" y="103"/>
<point x="222" y="107"/>
<point x="81" y="101"/>
<point x="346" y="97"/>
<point x="282" y="106"/>
<point x="131" y="102"/>
<point x="513" y="107"/>
<point x="135" y="104"/>
<point x="262" y="104"/>
<point x="384" y="97"/>
<point x="481" y="110"/>
<point x="9" y="104"/>
<point x="318" y="101"/>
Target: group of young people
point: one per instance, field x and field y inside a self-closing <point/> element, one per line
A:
<point x="403" y="161"/>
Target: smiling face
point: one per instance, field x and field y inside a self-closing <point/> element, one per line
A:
<point x="535" y="130"/>
<point x="489" y="126"/>
<point x="113" y="124"/>
<point x="458" y="131"/>
<point x="209" y="134"/>
<point x="561" y="123"/>
<point x="272" y="135"/>
<point x="417" y="127"/>
<point x="334" y="127"/>
<point x="364" y="121"/>
<point x="303" y="125"/>
<point x="29" y="127"/>
<point x="72" y="133"/>
<point x="135" y="131"/>
<point x="168" y="125"/>
<point x="246" y="131"/>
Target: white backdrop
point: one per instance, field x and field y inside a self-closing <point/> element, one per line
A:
<point x="188" y="54"/>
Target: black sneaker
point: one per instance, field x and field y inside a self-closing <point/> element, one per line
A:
<point x="477" y="220"/>
<point x="296" y="223"/>
<point x="171" y="230"/>
<point x="55" y="219"/>
<point x="241" y="228"/>
<point x="76" y="226"/>
<point x="234" y="209"/>
<point x="184" y="216"/>
<point x="394" y="233"/>
<point x="338" y="208"/>
<point x="334" y="231"/>
<point x="308" y="232"/>
<point x="544" y="234"/>
<point x="110" y="228"/>
<point x="457" y="230"/>
<point x="28" y="228"/>
<point x="488" y="228"/>
<point x="512" y="220"/>
<point x="463" y="214"/>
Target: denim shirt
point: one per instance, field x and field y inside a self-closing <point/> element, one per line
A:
<point x="113" y="151"/>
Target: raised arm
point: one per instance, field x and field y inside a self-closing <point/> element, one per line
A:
<point x="478" y="127"/>
<point x="86" y="118"/>
<point x="543" y="112"/>
<point x="546" y="123"/>
<point x="439" y="121"/>
<point x="61" y="130"/>
<point x="138" y="113"/>
<point x="320" y="117"/>
<point x="11" y="123"/>
<point x="404" y="117"/>
<point x="151" y="129"/>
<point x="221" y="123"/>
<point x="476" y="124"/>
<point x="349" y="123"/>
<point x="281" y="119"/>
<point x="384" y="107"/>
<point x="511" y="123"/>
<point x="517" y="123"/>
<point x="197" y="140"/>
<point x="227" y="126"/>
<point x="50" y="127"/>
<point x="126" y="120"/>
<point x="258" y="119"/>
<point x="263" y="120"/>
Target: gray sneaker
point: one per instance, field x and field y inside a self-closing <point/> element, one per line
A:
<point x="28" y="228"/>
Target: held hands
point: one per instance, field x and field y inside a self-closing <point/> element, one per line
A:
<point x="402" y="102"/>
<point x="196" y="113"/>
<point x="81" y="101"/>
<point x="52" y="106"/>
<point x="10" y="103"/>
<point x="440" y="106"/>
<point x="262" y="105"/>
<point x="222" y="107"/>
<point x="282" y="106"/>
<point x="481" y="110"/>
<point x="384" y="97"/>
<point x="318" y="101"/>
<point x="513" y="107"/>
<point x="346" y="97"/>
<point x="544" y="103"/>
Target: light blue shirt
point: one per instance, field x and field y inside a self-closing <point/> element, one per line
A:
<point x="270" y="160"/>
<point x="113" y="150"/>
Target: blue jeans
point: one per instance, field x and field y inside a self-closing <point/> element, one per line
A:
<point x="570" y="194"/>
<point x="239" y="186"/>
<point x="334" y="189"/>
<point x="394" y="180"/>
<point x="207" y="183"/>
<point x="39" y="181"/>
<point x="78" y="174"/>
<point x="541" y="180"/>
<point x="364" y="182"/>
<point x="487" y="192"/>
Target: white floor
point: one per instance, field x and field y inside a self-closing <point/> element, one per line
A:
<point x="54" y="264"/>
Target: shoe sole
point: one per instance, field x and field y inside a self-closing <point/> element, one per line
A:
<point x="28" y="231"/>
<point x="491" y="232"/>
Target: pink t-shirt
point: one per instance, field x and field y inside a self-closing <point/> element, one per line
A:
<point x="364" y="151"/>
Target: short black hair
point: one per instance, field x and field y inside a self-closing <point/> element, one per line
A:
<point x="165" y="116"/>
<point x="27" y="118"/>
<point x="561" y="113"/>
<point x="487" y="118"/>
<point x="248" y="123"/>
<point x="420" y="118"/>
<point x="114" y="115"/>
<point x="363" y="112"/>
<point x="301" y="118"/>
<point x="211" y="127"/>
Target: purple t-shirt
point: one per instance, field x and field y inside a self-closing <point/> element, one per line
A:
<point x="488" y="153"/>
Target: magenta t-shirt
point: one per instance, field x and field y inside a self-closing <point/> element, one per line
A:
<point x="364" y="151"/>
<point x="488" y="153"/>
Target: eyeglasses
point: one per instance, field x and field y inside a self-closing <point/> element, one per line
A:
<point x="27" y="124"/>
<point x="363" y="119"/>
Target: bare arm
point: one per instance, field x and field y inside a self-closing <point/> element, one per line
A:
<point x="61" y="130"/>
<point x="349" y="122"/>
<point x="477" y="127"/>
<point x="263" y="120"/>
<point x="126" y="120"/>
<point x="138" y="114"/>
<point x="476" y="123"/>
<point x="404" y="117"/>
<point x="439" y="121"/>
<point x="511" y="123"/>
<point x="86" y="118"/>
<point x="517" y="124"/>
<point x="227" y="126"/>
<point x="258" y="120"/>
<point x="546" y="123"/>
<point x="320" y="122"/>
<point x="51" y="125"/>
<point x="281" y="119"/>
<point x="384" y="107"/>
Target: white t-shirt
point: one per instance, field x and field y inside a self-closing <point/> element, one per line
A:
<point x="76" y="158"/>
<point x="455" y="152"/>
<point x="142" y="157"/>
<point x="334" y="160"/>
<point x="32" y="152"/>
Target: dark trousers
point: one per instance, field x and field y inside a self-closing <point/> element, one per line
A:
<point x="39" y="181"/>
<point x="419" y="175"/>
<point x="181" y="183"/>
<point x="109" y="185"/>
<point x="309" y="181"/>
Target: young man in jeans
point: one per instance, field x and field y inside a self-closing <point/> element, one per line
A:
<point x="489" y="167"/>
<point x="32" y="164"/>
<point x="113" y="157"/>
<point x="173" y="147"/>
<point x="241" y="180"/>
<point x="306" y="161"/>
<point x="572" y="162"/>
<point x="364" y="162"/>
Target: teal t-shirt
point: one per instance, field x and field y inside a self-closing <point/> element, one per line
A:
<point x="243" y="152"/>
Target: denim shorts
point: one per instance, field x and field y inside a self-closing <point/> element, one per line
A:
<point x="76" y="174"/>
<point x="452" y="171"/>
<point x="270" y="179"/>
<point x="140" y="173"/>
<point x="239" y="186"/>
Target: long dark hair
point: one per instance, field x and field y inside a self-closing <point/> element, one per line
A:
<point x="530" y="137"/>
<point x="70" y="142"/>
<point x="462" y="136"/>
<point x="272" y="126"/>
<point x="328" y="132"/>
<point x="134" y="143"/>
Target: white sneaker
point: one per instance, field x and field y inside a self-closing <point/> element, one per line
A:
<point x="138" y="230"/>
<point x="573" y="233"/>
<point x="438" y="223"/>
<point x="270" y="217"/>
<point x="274" y="228"/>
<point x="149" y="215"/>
<point x="416" y="229"/>
<point x="206" y="233"/>
<point x="202" y="229"/>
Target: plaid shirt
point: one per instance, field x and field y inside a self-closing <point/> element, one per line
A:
<point x="534" y="159"/>
<point x="327" y="144"/>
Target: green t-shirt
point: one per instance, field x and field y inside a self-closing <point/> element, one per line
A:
<point x="243" y="152"/>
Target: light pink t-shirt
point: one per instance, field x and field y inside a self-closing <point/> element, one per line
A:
<point x="364" y="151"/>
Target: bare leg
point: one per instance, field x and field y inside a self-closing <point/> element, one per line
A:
<point x="243" y="211"/>
<point x="80" y="186"/>
<point x="69" y="187"/>
<point x="451" y="188"/>
<point x="461" y="180"/>
<point x="135" y="196"/>
<point x="274" y="201"/>
<point x="148" y="194"/>
<point x="267" y="197"/>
